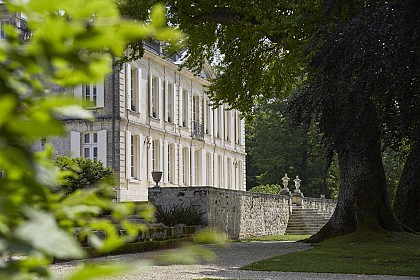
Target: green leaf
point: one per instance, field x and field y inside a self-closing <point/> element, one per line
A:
<point x="43" y="233"/>
<point x="97" y="271"/>
<point x="158" y="15"/>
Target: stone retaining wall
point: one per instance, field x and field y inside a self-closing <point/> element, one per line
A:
<point x="239" y="214"/>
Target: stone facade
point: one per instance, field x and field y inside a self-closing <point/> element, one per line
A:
<point x="237" y="213"/>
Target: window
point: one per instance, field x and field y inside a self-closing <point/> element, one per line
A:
<point x="89" y="144"/>
<point x="3" y="24"/>
<point x="184" y="108"/>
<point x="170" y="103"/>
<point x="134" y="90"/>
<point x="134" y="156"/>
<point x="220" y="171"/>
<point x="92" y="95"/>
<point x="220" y="120"/>
<point x="154" y="97"/>
<point x="196" y="108"/>
<point x="155" y="155"/>
<point x="185" y="163"/>
<point x="208" y="110"/>
<point x="209" y="172"/>
<point x="228" y="121"/>
<point x="171" y="163"/>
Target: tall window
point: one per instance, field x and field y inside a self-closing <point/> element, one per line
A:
<point x="220" y="164"/>
<point x="171" y="163"/>
<point x="184" y="108"/>
<point x="209" y="169"/>
<point x="155" y="155"/>
<point x="90" y="145"/>
<point x="185" y="162"/>
<point x="228" y="121"/>
<point x="134" y="89"/>
<point x="208" y="113"/>
<point x="170" y="107"/>
<point x="154" y="98"/>
<point x="220" y="120"/>
<point x="89" y="93"/>
<point x="3" y="24"/>
<point x="196" y="107"/>
<point x="134" y="156"/>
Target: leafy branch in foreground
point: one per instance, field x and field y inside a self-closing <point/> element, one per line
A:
<point x="68" y="46"/>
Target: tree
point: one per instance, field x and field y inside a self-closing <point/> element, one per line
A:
<point x="355" y="85"/>
<point x="275" y="149"/>
<point x="69" y="45"/>
<point x="84" y="173"/>
<point x="361" y="75"/>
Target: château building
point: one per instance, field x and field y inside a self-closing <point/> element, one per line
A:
<point x="152" y="116"/>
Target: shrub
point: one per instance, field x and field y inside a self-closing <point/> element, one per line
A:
<point x="179" y="214"/>
<point x="267" y="189"/>
<point x="82" y="173"/>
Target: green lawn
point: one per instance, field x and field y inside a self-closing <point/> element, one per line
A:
<point x="388" y="253"/>
<point x="295" y="237"/>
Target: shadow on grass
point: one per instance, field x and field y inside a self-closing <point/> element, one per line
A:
<point x="361" y="252"/>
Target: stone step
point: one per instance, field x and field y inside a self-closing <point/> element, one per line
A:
<point x="306" y="221"/>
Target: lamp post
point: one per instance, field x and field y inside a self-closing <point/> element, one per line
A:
<point x="156" y="175"/>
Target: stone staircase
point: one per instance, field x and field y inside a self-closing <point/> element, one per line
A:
<point x="306" y="221"/>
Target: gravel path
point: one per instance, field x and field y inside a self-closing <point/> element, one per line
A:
<point x="226" y="265"/>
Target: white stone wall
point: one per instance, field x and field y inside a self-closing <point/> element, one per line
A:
<point x="239" y="214"/>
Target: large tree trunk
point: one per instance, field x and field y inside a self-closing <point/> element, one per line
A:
<point x="407" y="196"/>
<point x="363" y="201"/>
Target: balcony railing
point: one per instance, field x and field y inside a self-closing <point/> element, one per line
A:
<point x="197" y="131"/>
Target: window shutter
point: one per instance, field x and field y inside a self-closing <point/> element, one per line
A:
<point x="102" y="147"/>
<point x="100" y="94"/>
<point x="78" y="93"/>
<point x="75" y="143"/>
<point x="166" y="98"/>
<point x="128" y="154"/>
<point x="128" y="85"/>
<point x="139" y="90"/>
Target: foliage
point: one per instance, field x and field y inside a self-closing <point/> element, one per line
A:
<point x="176" y="214"/>
<point x="267" y="189"/>
<point x="248" y="43"/>
<point x="374" y="253"/>
<point x="275" y="149"/>
<point x="68" y="46"/>
<point x="84" y="173"/>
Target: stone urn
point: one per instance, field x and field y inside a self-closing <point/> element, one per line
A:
<point x="157" y="176"/>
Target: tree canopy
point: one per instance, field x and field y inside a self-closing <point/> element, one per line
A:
<point x="257" y="48"/>
<point x="357" y="66"/>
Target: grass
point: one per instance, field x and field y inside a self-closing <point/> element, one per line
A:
<point x="362" y="252"/>
<point x="283" y="237"/>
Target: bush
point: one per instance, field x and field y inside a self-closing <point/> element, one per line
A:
<point x="267" y="189"/>
<point x="82" y="173"/>
<point x="179" y="214"/>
